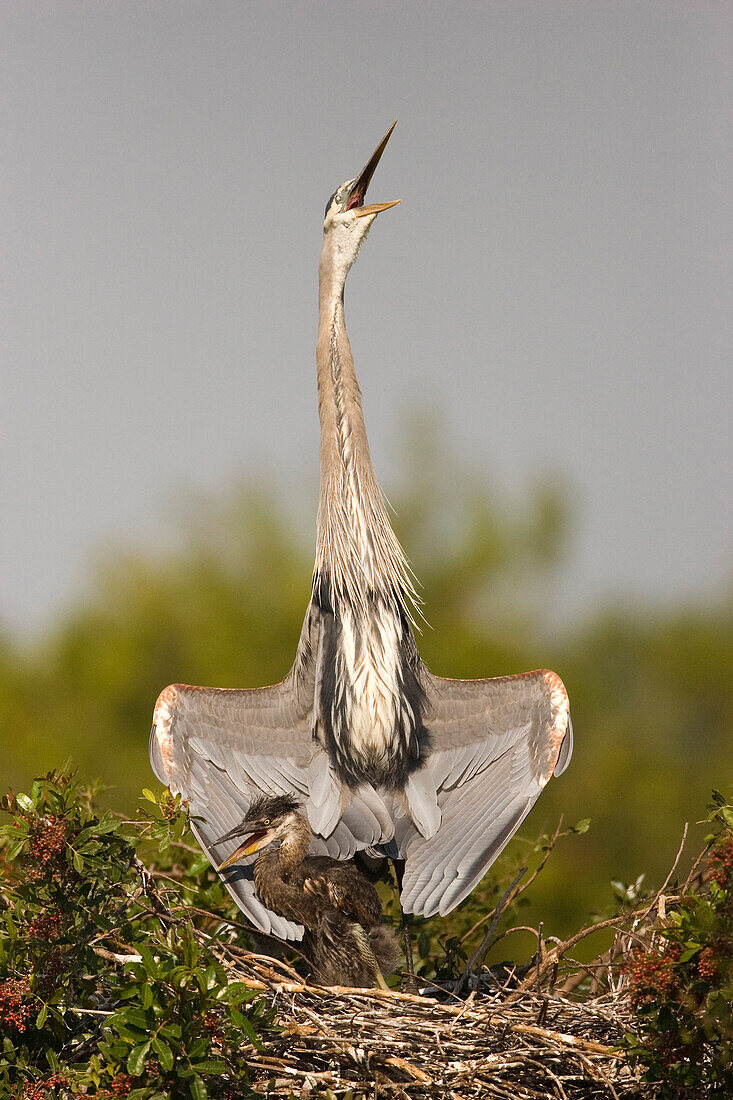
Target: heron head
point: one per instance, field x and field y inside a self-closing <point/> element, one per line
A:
<point x="347" y="219"/>
<point x="271" y="819"/>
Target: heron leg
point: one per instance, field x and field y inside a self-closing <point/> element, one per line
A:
<point x="409" y="982"/>
<point x="380" y="980"/>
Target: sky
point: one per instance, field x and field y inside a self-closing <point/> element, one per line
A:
<point x="554" y="286"/>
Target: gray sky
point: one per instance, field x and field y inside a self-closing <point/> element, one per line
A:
<point x="556" y="279"/>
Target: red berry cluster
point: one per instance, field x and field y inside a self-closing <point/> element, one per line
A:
<point x="212" y="1024"/>
<point x="16" y="1008"/>
<point x="721" y="862"/>
<point x="652" y="977"/>
<point x="42" y="1089"/>
<point x="707" y="964"/>
<point x="120" y="1085"/>
<point x="168" y="805"/>
<point x="48" y="843"/>
<point x="47" y="925"/>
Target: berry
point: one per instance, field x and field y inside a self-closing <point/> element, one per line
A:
<point x="16" y="1008"/>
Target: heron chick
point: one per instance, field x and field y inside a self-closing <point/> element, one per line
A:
<point x="381" y="753"/>
<point x="345" y="940"/>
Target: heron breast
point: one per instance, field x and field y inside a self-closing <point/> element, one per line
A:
<point x="371" y="657"/>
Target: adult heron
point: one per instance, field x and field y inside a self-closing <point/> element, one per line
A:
<point x="380" y="753"/>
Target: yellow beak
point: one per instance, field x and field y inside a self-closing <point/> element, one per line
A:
<point x="375" y="208"/>
<point x="247" y="849"/>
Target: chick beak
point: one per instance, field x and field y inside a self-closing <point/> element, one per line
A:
<point x="251" y="845"/>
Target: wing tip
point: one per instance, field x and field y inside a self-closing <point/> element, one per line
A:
<point x="161" y="746"/>
<point x="559" y="748"/>
<point x="565" y="752"/>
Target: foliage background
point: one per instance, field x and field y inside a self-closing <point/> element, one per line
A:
<point x="650" y="687"/>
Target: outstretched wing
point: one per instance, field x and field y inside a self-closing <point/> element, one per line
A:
<point x="220" y="748"/>
<point x="494" y="745"/>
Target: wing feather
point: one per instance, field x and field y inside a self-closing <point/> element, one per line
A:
<point x="220" y="748"/>
<point x="495" y="744"/>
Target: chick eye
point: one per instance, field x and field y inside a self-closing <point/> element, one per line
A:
<point x="266" y="821"/>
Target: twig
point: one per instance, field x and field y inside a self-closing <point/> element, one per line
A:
<point x="482" y="949"/>
<point x="665" y="884"/>
<point x="525" y="886"/>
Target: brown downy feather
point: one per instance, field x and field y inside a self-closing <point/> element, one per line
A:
<point x="386" y="948"/>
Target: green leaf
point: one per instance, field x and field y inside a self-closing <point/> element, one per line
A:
<point x="13" y="850"/>
<point x="148" y="961"/>
<point x="726" y="812"/>
<point x="198" y="1088"/>
<point x="150" y="796"/>
<point x="171" y="1031"/>
<point x="251" y="1034"/>
<point x="198" y="1048"/>
<point x="214" y="976"/>
<point x="78" y="862"/>
<point x="582" y="826"/>
<point x="25" y="802"/>
<point x="211" y="1065"/>
<point x="237" y="992"/>
<point x="133" y="1017"/>
<point x="41" y="1017"/>
<point x="136" y="1059"/>
<point x="164" y="1052"/>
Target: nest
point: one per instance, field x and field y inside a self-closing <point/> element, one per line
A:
<point x="519" y="1044"/>
<point x="553" y="1028"/>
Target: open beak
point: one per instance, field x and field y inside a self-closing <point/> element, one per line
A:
<point x="361" y="211"/>
<point x="355" y="201"/>
<point x="252" y="844"/>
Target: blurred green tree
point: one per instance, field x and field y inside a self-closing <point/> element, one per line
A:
<point x="651" y="690"/>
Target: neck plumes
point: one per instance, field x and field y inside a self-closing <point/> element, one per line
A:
<point x="357" y="552"/>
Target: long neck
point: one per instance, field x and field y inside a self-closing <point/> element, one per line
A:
<point x="273" y="868"/>
<point x="356" y="548"/>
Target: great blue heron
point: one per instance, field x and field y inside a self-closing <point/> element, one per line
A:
<point x="345" y="940"/>
<point x="381" y="753"/>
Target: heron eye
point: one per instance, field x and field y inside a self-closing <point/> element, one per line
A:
<point x="266" y="821"/>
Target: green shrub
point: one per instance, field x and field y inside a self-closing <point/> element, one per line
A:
<point x="681" y="987"/>
<point x="108" y="983"/>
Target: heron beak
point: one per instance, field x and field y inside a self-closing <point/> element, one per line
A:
<point x="362" y="211"/>
<point x="252" y="844"/>
<point x="362" y="181"/>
